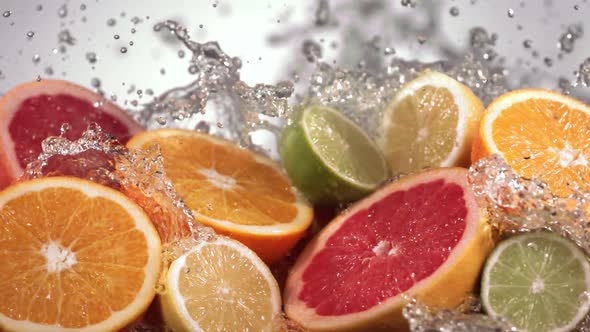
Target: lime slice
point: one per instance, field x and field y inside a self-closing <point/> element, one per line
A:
<point x="537" y="282"/>
<point x="329" y="158"/>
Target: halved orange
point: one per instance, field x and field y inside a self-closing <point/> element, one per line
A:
<point x="75" y="256"/>
<point x="237" y="192"/>
<point x="541" y="134"/>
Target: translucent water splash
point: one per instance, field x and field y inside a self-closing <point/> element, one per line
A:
<point x="239" y="108"/>
<point x="519" y="204"/>
<point x="140" y="175"/>
<point x="466" y="318"/>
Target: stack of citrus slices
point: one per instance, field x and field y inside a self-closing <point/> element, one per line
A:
<point x="84" y="250"/>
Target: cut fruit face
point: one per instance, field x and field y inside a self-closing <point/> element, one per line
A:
<point x="220" y="286"/>
<point x="537" y="282"/>
<point x="75" y="255"/>
<point x="430" y="123"/>
<point x="329" y="158"/>
<point x="32" y="111"/>
<point x="237" y="192"/>
<point x="422" y="236"/>
<point x="540" y="134"/>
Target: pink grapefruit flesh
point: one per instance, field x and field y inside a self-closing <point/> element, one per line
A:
<point x="32" y="111"/>
<point x="402" y="239"/>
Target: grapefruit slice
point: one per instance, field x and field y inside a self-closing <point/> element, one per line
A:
<point x="422" y="236"/>
<point x="32" y="111"/>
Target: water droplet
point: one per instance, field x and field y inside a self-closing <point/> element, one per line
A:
<point x="454" y="11"/>
<point x="162" y="71"/>
<point x="161" y="120"/>
<point x="49" y="71"/>
<point x="116" y="36"/>
<point x="200" y="26"/>
<point x="215" y="4"/>
<point x="39" y="7"/>
<point x="548" y="62"/>
<point x="7" y="13"/>
<point x="583" y="73"/>
<point x="312" y="50"/>
<point x="136" y="20"/>
<point x="527" y="43"/>
<point x="66" y="37"/>
<point x="567" y="40"/>
<point x="123" y="50"/>
<point x="421" y="39"/>
<point x="36" y="58"/>
<point x="203" y="127"/>
<point x="408" y="3"/>
<point x="133" y="30"/>
<point x="38" y="79"/>
<point x="82" y="7"/>
<point x="576" y="7"/>
<point x="322" y="13"/>
<point x="95" y="83"/>
<point x="62" y="12"/>
<point x="111" y="22"/>
<point x="181" y="54"/>
<point x="65" y="128"/>
<point x="30" y="34"/>
<point x="91" y="57"/>
<point x="389" y="50"/>
<point x="510" y="12"/>
<point x="219" y="125"/>
<point x="131" y="43"/>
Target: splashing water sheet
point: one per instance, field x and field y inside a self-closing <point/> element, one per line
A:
<point x="360" y="90"/>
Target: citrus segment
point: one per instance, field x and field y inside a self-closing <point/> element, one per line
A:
<point x="33" y="111"/>
<point x="75" y="255"/>
<point x="431" y="122"/>
<point x="220" y="286"/>
<point x="423" y="236"/>
<point x="329" y="158"/>
<point x="540" y="134"/>
<point x="537" y="282"/>
<point x="237" y="192"/>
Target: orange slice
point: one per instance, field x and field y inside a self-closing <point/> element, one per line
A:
<point x="541" y="134"/>
<point x="75" y="255"/>
<point x="237" y="192"/>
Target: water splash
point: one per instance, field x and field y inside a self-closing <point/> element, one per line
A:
<point x="140" y="175"/>
<point x="519" y="204"/>
<point x="466" y="318"/>
<point x="217" y="85"/>
<point x="568" y="39"/>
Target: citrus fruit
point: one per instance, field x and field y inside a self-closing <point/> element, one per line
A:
<point x="220" y="286"/>
<point x="329" y="158"/>
<point x="540" y="134"/>
<point x="422" y="236"/>
<point x="431" y="122"/>
<point x="235" y="191"/>
<point x="32" y="111"/>
<point x="75" y="255"/>
<point x="537" y="282"/>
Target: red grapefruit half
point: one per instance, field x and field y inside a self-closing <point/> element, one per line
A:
<point x="32" y="111"/>
<point x="423" y="236"/>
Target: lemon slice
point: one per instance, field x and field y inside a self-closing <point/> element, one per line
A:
<point x="431" y="122"/>
<point x="220" y="286"/>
